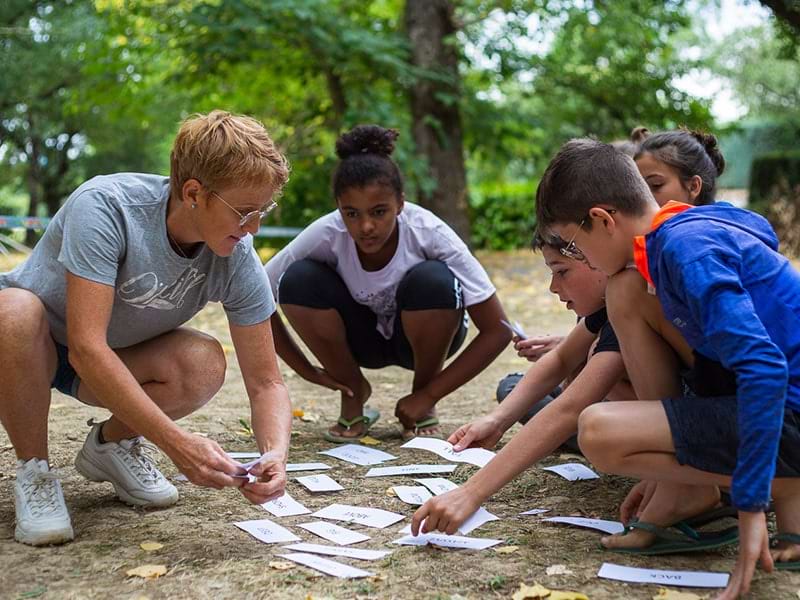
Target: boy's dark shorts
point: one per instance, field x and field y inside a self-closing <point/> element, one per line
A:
<point x="705" y="433"/>
<point x="66" y="380"/>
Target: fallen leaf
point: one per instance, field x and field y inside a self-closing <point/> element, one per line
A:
<point x="569" y="456"/>
<point x="526" y="592"/>
<point x="558" y="570"/>
<point x="281" y="565"/>
<point x="506" y="549"/>
<point x="151" y="546"/>
<point x="147" y="571"/>
<point x="558" y="595"/>
<point x="665" y="594"/>
<point x="370" y="441"/>
<point x="390" y="492"/>
<point x="309" y="418"/>
<point x="379" y="578"/>
<point x="298" y="412"/>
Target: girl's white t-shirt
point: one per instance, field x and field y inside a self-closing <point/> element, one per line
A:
<point x="423" y="236"/>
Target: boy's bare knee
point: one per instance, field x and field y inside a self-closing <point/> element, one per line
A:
<point x="594" y="436"/>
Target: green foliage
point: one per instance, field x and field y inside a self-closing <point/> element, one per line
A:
<point x="770" y="171"/>
<point x="503" y="215"/>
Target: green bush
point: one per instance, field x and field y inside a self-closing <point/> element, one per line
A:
<point x="503" y="214"/>
<point x="772" y="170"/>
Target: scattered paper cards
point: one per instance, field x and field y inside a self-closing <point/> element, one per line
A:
<point x="267" y="531"/>
<point x="437" y="485"/>
<point x="358" y="455"/>
<point x="516" y="329"/>
<point x="334" y="533"/>
<point x="447" y="541"/>
<point x="611" y="527"/>
<point x="704" y="579"/>
<point x="329" y="567"/>
<point x="474" y="456"/>
<point x="415" y="495"/>
<point x="236" y="455"/>
<point x="357" y="553"/>
<point x="409" y="470"/>
<point x="319" y="483"/>
<point x="535" y="511"/>
<point x="371" y="517"/>
<point x="572" y="471"/>
<point x="309" y="466"/>
<point x="285" y="506"/>
<point x="478" y="518"/>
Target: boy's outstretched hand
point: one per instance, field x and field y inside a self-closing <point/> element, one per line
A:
<point x="483" y="432"/>
<point x="753" y="548"/>
<point x="534" y="348"/>
<point x="445" y="513"/>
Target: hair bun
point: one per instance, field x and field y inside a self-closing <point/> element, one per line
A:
<point x="709" y="142"/>
<point x="640" y="134"/>
<point x="366" y="139"/>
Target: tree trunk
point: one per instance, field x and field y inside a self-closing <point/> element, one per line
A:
<point x="435" y="110"/>
<point x="787" y="11"/>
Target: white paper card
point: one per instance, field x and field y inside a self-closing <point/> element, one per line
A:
<point x="319" y="483"/>
<point x="413" y="494"/>
<point x="334" y="533"/>
<point x="516" y="328"/>
<point x="267" y="531"/>
<point x="599" y="524"/>
<point x="448" y="541"/>
<point x="437" y="485"/>
<point x="251" y="455"/>
<point x="336" y="551"/>
<point x="329" y="567"/>
<point x="535" y="511"/>
<point x="573" y="471"/>
<point x="409" y="470"/>
<point x="285" y="506"/>
<point x="371" y="517"/>
<point x="680" y="578"/>
<point x="474" y="456"/>
<point x="478" y="518"/>
<point x="358" y="455"/>
<point x="309" y="466"/>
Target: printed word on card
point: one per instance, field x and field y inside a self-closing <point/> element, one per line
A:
<point x="371" y="517"/>
<point x="415" y="495"/>
<point x="358" y="455"/>
<point x="309" y="466"/>
<point x="572" y="471"/>
<point x="334" y="533"/>
<point x="329" y="567"/>
<point x="409" y="470"/>
<point x="474" y="456"/>
<point x="285" y="506"/>
<point x="319" y="483"/>
<point x="703" y="579"/>
<point x="437" y="485"/>
<point x="357" y="553"/>
<point x="447" y="541"/>
<point x="266" y="531"/>
<point x="611" y="527"/>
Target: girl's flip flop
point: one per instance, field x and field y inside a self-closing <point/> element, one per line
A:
<point x="369" y="418"/>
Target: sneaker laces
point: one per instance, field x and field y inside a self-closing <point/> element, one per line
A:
<point x="41" y="492"/>
<point x="142" y="455"/>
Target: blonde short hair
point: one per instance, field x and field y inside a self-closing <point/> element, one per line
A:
<point x="222" y="150"/>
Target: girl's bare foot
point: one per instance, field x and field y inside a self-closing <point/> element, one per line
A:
<point x="353" y="407"/>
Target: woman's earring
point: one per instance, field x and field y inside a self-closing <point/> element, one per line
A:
<point x="194" y="205"/>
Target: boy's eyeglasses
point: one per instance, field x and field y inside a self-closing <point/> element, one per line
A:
<point x="244" y="219"/>
<point x="570" y="250"/>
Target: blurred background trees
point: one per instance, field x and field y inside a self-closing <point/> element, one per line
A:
<point x="482" y="91"/>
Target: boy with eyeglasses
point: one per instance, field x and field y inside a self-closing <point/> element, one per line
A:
<point x="720" y="280"/>
<point x="98" y="312"/>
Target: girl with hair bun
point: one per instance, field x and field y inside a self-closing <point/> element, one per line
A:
<point x="680" y="165"/>
<point x="378" y="282"/>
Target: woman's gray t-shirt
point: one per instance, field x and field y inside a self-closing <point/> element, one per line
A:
<point x="112" y="230"/>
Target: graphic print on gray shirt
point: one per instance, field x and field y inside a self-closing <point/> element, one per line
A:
<point x="112" y="230"/>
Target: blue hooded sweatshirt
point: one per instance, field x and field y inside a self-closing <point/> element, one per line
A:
<point x="723" y="284"/>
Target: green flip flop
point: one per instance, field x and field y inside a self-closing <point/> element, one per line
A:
<point x="678" y="539"/>
<point x="369" y="418"/>
<point x="793" y="565"/>
<point x="711" y="516"/>
<point x="410" y="434"/>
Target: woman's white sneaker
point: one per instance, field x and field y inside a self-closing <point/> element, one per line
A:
<point x="129" y="466"/>
<point x="42" y="516"/>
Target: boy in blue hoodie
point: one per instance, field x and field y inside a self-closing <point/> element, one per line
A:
<point x="720" y="280"/>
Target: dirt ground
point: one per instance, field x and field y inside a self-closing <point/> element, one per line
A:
<point x="207" y="557"/>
